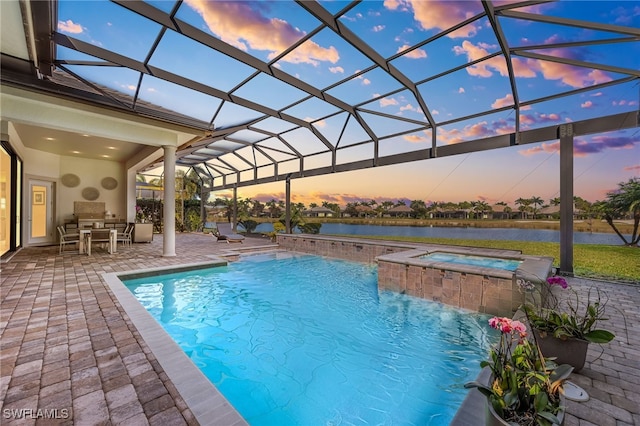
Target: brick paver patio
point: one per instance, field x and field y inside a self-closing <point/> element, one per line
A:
<point x="69" y="349"/>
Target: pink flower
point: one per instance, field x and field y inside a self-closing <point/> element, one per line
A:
<point x="507" y="325"/>
<point x="493" y="323"/>
<point x="556" y="280"/>
<point x="520" y="328"/>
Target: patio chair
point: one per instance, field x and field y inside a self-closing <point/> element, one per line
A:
<point x="223" y="232"/>
<point x="124" y="237"/>
<point x="101" y="237"/>
<point x="66" y="238"/>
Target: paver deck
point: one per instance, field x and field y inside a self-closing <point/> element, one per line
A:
<point x="70" y="350"/>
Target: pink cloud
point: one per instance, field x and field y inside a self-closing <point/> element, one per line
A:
<point x="585" y="147"/>
<point x="507" y="100"/>
<point x="567" y="74"/>
<point x="635" y="168"/>
<point x="527" y="120"/>
<point x="69" y="26"/>
<point x="384" y="102"/>
<point x="495" y="64"/>
<point x="474" y="131"/>
<point x="414" y="138"/>
<point x="545" y="147"/>
<point x="587" y="104"/>
<point x="251" y="30"/>
<point x="440" y="15"/>
<point x="414" y="54"/>
<point x="266" y="197"/>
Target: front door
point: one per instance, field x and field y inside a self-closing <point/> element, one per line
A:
<point x="40" y="215"/>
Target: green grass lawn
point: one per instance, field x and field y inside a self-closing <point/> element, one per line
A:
<point x="616" y="263"/>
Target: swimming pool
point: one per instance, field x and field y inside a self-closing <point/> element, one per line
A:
<point x="298" y="339"/>
<point x="481" y="261"/>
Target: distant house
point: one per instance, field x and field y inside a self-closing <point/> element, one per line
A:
<point x="441" y="213"/>
<point x="400" y="211"/>
<point x="549" y="212"/>
<point x="365" y="211"/>
<point x="362" y="211"/>
<point x="498" y="211"/>
<point x="318" y="212"/>
<point x="553" y="212"/>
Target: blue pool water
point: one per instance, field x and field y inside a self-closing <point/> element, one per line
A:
<point x="302" y="340"/>
<point x="485" y="262"/>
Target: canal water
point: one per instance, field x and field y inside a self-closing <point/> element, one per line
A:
<point x="543" y="235"/>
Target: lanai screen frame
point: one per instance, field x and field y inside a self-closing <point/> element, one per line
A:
<point x="210" y="152"/>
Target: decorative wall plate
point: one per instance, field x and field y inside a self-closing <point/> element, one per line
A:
<point x="109" y="183"/>
<point x="70" y="180"/>
<point x="90" y="193"/>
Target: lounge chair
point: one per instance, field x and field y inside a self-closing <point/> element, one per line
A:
<point x="224" y="233"/>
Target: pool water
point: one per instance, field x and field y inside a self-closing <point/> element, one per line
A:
<point x="301" y="340"/>
<point x="482" y="261"/>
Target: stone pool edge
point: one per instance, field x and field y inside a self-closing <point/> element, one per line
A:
<point x="205" y="401"/>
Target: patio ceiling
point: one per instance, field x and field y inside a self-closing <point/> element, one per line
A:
<point x="276" y="89"/>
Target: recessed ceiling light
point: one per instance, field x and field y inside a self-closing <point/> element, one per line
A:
<point x="111" y="147"/>
<point x="105" y="156"/>
<point x="50" y="139"/>
<point x="75" y="152"/>
<point x="86" y="135"/>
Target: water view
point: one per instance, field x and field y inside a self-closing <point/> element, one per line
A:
<point x="516" y="234"/>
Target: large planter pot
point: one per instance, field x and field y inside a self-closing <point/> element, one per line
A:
<point x="570" y="351"/>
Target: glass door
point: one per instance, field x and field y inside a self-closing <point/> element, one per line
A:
<point x="41" y="229"/>
<point x="5" y="200"/>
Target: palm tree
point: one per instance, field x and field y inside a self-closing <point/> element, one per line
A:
<point x="523" y="205"/>
<point x="537" y="202"/>
<point x="479" y="207"/>
<point x="624" y="202"/>
<point x="419" y="208"/>
<point x="466" y="206"/>
<point x="274" y="208"/>
<point x="333" y="207"/>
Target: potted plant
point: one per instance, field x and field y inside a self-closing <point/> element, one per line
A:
<point x="524" y="388"/>
<point x="564" y="326"/>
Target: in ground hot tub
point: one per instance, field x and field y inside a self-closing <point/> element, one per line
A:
<point x="470" y="278"/>
<point x="506" y="264"/>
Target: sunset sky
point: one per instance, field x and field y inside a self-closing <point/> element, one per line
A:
<point x="499" y="175"/>
<point x="412" y="36"/>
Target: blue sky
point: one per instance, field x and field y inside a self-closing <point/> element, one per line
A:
<point x="419" y="39"/>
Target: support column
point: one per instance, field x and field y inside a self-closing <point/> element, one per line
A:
<point x="566" y="199"/>
<point x="234" y="219"/>
<point x="287" y="205"/>
<point x="169" y="209"/>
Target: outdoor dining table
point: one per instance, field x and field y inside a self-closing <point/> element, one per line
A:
<point x="86" y="236"/>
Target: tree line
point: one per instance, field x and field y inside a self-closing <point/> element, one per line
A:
<point x="622" y="203"/>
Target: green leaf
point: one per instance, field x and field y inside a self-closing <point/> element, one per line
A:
<point x="550" y="417"/>
<point x="562" y="372"/>
<point x="486" y="391"/>
<point x="599" y="336"/>
<point x="540" y="402"/>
